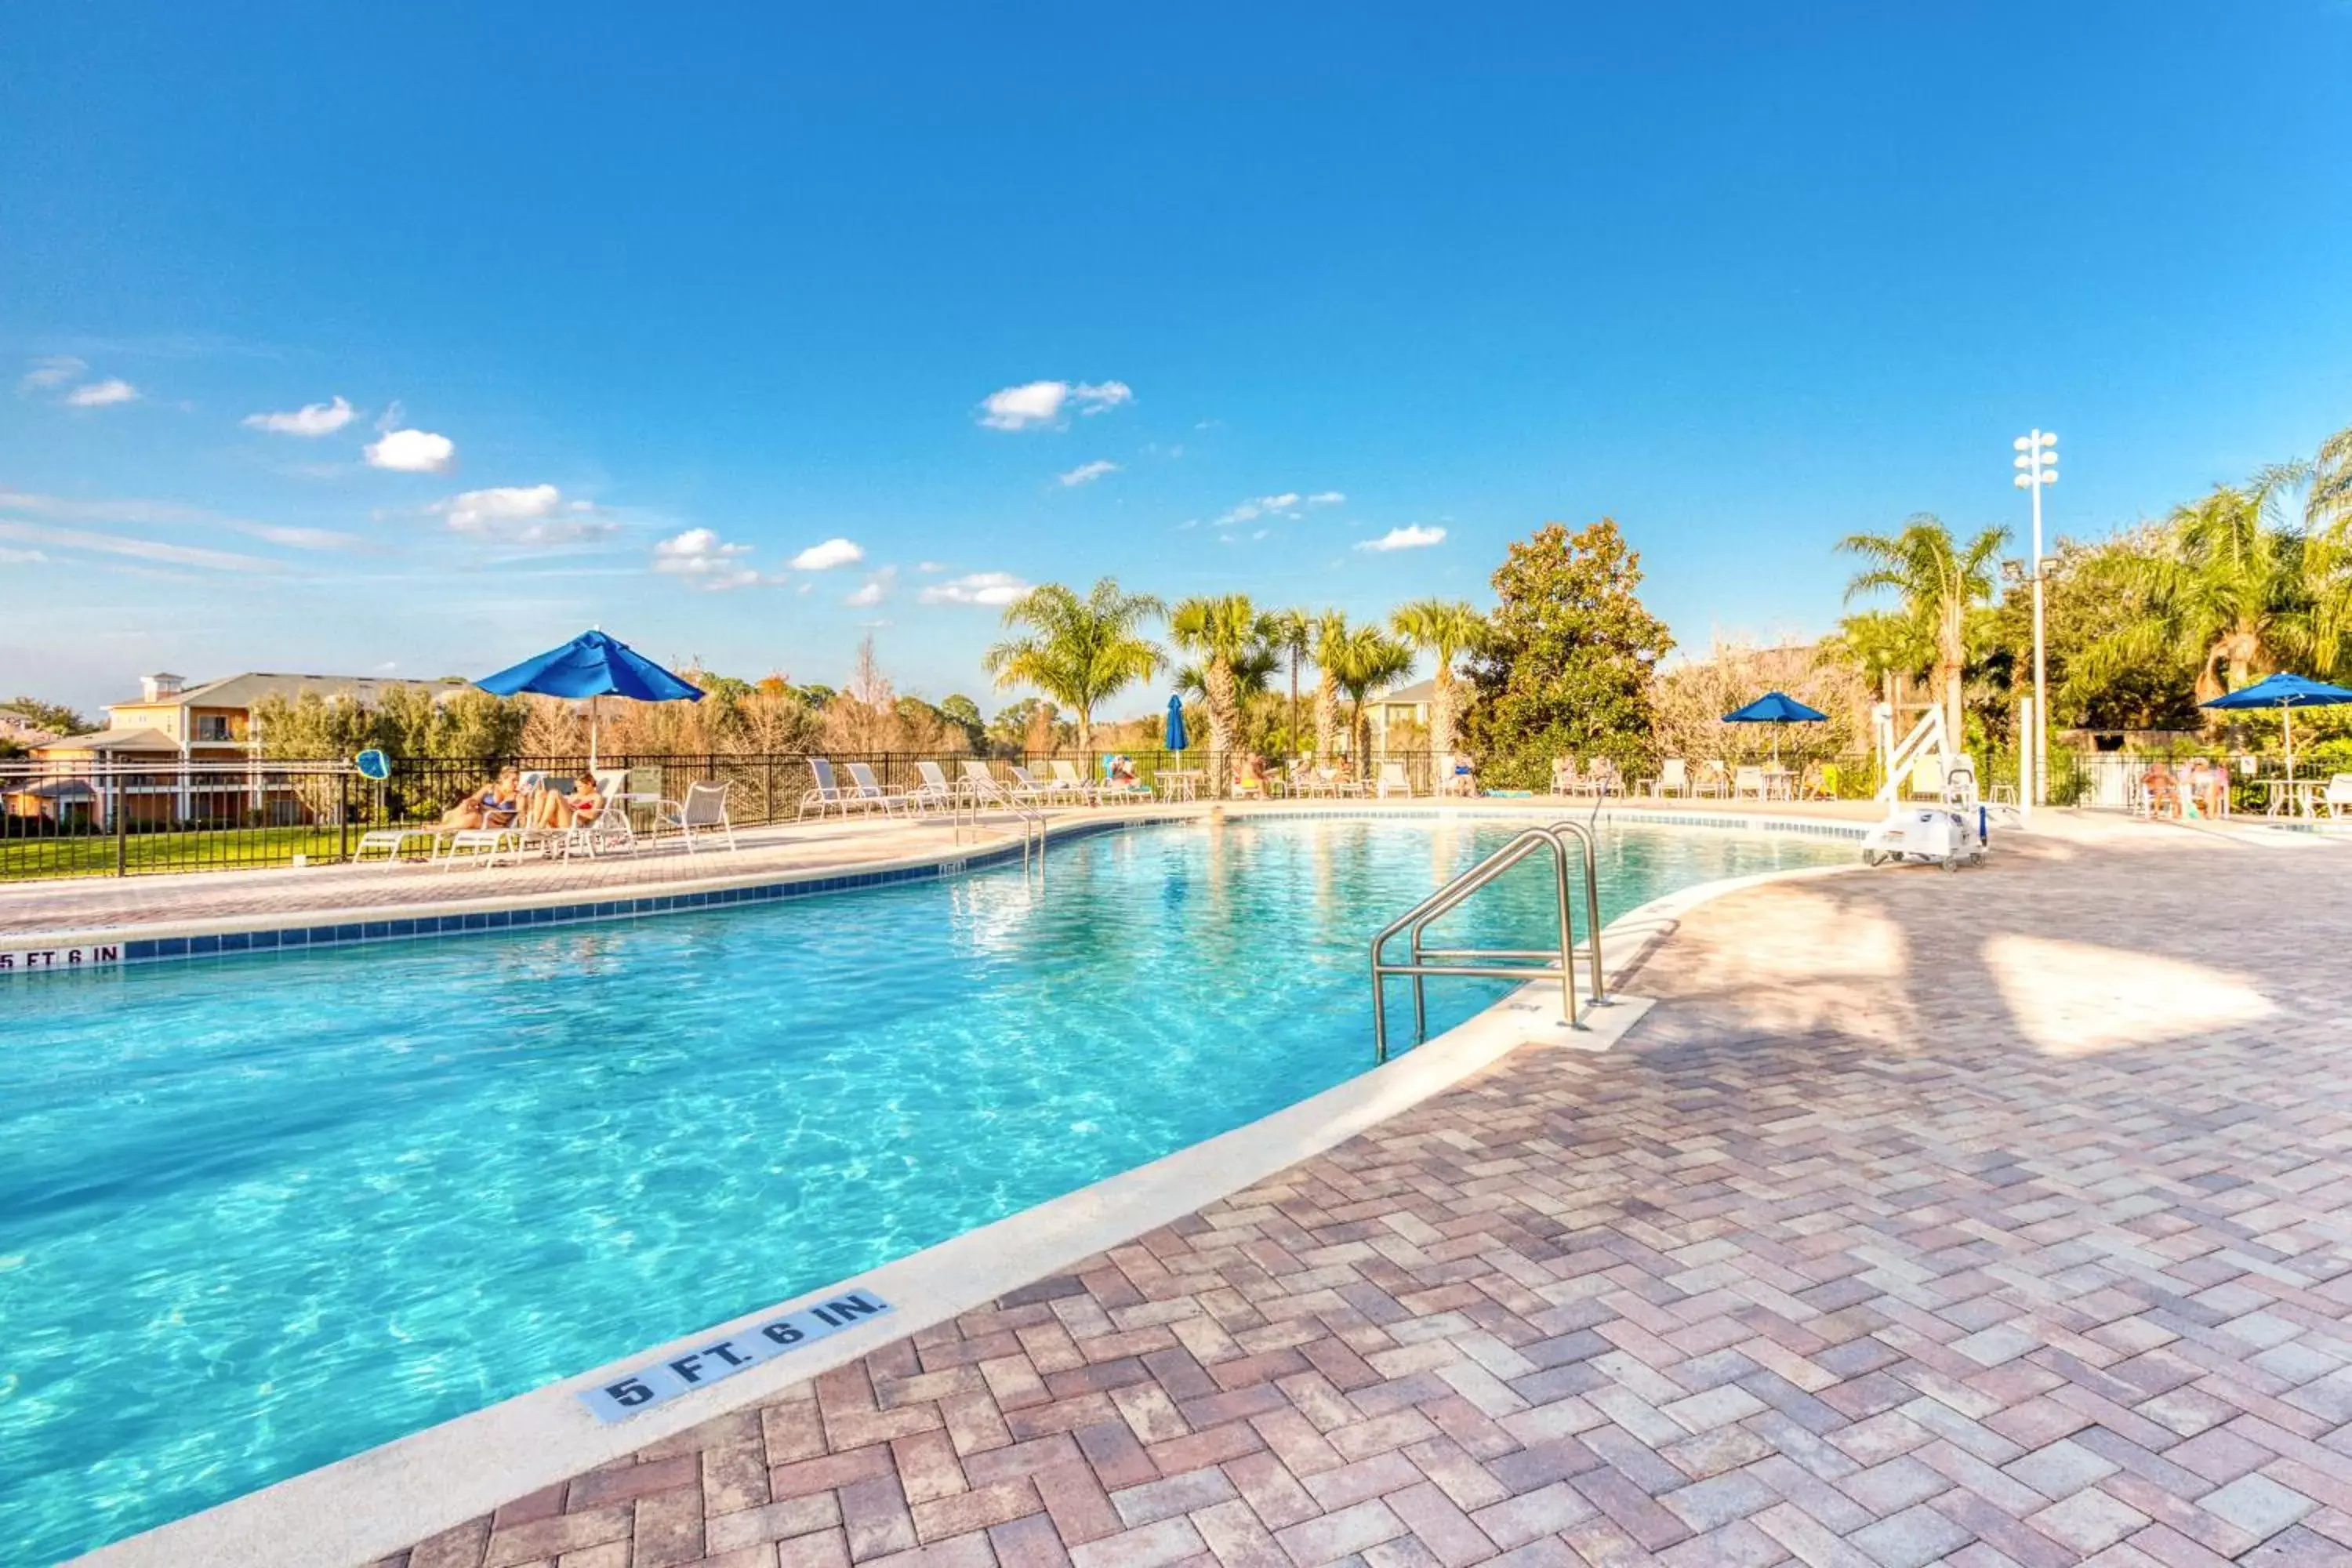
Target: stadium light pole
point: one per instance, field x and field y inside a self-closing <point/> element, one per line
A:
<point x="2037" y="466"/>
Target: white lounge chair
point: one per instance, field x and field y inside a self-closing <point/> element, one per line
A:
<point x="828" y="792"/>
<point x="1067" y="780"/>
<point x="2337" y="798"/>
<point x="1330" y="780"/>
<point x="1602" y="779"/>
<point x="1674" y="778"/>
<point x="1564" y="779"/>
<point x="1109" y="788"/>
<point x="1024" y="786"/>
<point x="934" y="793"/>
<point x="1713" y="780"/>
<point x="701" y="814"/>
<point x="1748" y="779"/>
<point x="1392" y="780"/>
<point x="978" y="782"/>
<point x="608" y="828"/>
<point x="866" y="789"/>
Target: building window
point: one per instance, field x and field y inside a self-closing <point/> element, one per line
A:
<point x="212" y="727"/>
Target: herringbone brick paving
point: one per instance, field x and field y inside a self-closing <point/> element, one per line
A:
<point x="1850" y="1255"/>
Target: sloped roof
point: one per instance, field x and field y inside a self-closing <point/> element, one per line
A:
<point x="1418" y="691"/>
<point x="245" y="690"/>
<point x="118" y="741"/>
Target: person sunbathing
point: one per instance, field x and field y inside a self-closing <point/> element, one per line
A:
<point x="494" y="805"/>
<point x="2163" y="791"/>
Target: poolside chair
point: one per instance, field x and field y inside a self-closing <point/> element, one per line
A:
<point x="1337" y="782"/>
<point x="979" y="782"/>
<point x="1674" y="778"/>
<point x="1306" y="782"/>
<point x="701" y="814"/>
<point x="480" y="846"/>
<point x="1024" y="786"/>
<point x="1748" y="779"/>
<point x="934" y="793"/>
<point x="1714" y="779"/>
<point x="2336" y="797"/>
<point x="608" y="828"/>
<point x="828" y="793"/>
<point x="1066" y="782"/>
<point x="1109" y="788"/>
<point x="1455" y="774"/>
<point x="1601" y="778"/>
<point x="865" y="789"/>
<point x="1564" y="779"/>
<point x="1392" y="780"/>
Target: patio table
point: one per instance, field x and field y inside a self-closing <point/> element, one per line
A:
<point x="1181" y="784"/>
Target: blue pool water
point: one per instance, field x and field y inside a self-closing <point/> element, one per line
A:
<point x="258" y="1213"/>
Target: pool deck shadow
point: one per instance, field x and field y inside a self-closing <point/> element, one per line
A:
<point x="1986" y="1219"/>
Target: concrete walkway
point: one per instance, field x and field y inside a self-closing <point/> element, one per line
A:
<point x="1988" y="1219"/>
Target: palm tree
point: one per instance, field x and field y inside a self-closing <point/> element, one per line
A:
<point x="1079" y="652"/>
<point x="2229" y="587"/>
<point x="1940" y="581"/>
<point x="1331" y="630"/>
<point x="1889" y="648"/>
<point x="1228" y="637"/>
<point x="1293" y="635"/>
<point x="1361" y="662"/>
<point x="1445" y="629"/>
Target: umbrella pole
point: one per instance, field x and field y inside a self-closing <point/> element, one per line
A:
<point x="591" y="735"/>
<point x="2286" y="717"/>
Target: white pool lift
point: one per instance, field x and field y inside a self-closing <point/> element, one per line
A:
<point x="1948" y="832"/>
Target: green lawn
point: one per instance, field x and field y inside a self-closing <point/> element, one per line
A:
<point x="27" y="860"/>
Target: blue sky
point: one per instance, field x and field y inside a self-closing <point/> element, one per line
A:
<point x="686" y="294"/>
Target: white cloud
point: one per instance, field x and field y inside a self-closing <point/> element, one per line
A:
<point x="102" y="394"/>
<point x="1287" y="504"/>
<point x="824" y="557"/>
<point x="310" y="419"/>
<point x="13" y="557"/>
<point x="877" y="588"/>
<point x="994" y="589"/>
<point x="1414" y="538"/>
<point x="930" y="566"/>
<point x="711" y="561"/>
<point x="522" y="514"/>
<point x="164" y="514"/>
<point x="1086" y="473"/>
<point x="1042" y="402"/>
<point x="137" y="549"/>
<point x="54" y="371"/>
<point x="413" y="452"/>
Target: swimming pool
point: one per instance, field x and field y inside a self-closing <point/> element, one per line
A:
<point x="260" y="1213"/>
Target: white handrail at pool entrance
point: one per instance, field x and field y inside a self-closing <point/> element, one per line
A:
<point x="973" y="789"/>
<point x="1496" y="963"/>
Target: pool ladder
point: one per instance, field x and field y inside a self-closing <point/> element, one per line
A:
<point x="1496" y="963"/>
<point x="966" y="797"/>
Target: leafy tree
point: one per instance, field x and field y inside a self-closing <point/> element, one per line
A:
<point x="1082" y="652"/>
<point x="1569" y="667"/>
<point x="1363" y="660"/>
<point x="1008" y="731"/>
<point x="965" y="713"/>
<point x="1889" y="648"/>
<point x="1940" y="581"/>
<point x="54" y="717"/>
<point x="1445" y="629"/>
<point x="1329" y="631"/>
<point x="1231" y="644"/>
<point x="2226" y="586"/>
<point x="2092" y="598"/>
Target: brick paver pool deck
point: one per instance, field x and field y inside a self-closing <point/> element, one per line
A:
<point x="1997" y="1218"/>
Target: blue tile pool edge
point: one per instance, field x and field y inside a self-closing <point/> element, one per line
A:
<point x="387" y="926"/>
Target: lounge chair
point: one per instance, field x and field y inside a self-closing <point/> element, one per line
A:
<point x="2337" y="798"/>
<point x="1454" y="775"/>
<point x="1306" y="782"/>
<point x="1066" y="781"/>
<point x="609" y="828"/>
<point x="866" y="789"/>
<point x="1713" y="780"/>
<point x="394" y="840"/>
<point x="979" y="782"/>
<point x="1748" y="779"/>
<point x="1107" y="788"/>
<point x="1335" y="782"/>
<point x="1601" y="778"/>
<point x="1674" y="778"/>
<point x="702" y="813"/>
<point x="1024" y="786"/>
<point x="482" y="846"/>
<point x="935" y="793"/>
<point x="1392" y="780"/>
<point x="828" y="793"/>
<point x="1564" y="779"/>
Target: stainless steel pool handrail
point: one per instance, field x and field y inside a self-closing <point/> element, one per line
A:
<point x="1494" y="962"/>
<point x="968" y="792"/>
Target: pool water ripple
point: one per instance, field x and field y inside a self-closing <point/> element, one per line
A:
<point x="258" y="1213"/>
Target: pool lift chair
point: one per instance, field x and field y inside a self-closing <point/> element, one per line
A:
<point x="1949" y="832"/>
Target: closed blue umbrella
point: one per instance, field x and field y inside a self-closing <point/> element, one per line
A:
<point x="2286" y="694"/>
<point x="593" y="665"/>
<point x="1176" y="739"/>
<point x="1775" y="707"/>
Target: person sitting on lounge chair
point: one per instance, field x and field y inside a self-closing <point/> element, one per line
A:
<point x="2163" y="790"/>
<point x="2208" y="789"/>
<point x="551" y="809"/>
<point x="495" y="804"/>
<point x="1122" y="771"/>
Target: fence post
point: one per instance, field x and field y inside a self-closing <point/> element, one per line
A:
<point x="343" y="817"/>
<point x="768" y="789"/>
<point x="121" y="831"/>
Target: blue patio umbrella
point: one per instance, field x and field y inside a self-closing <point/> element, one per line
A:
<point x="2286" y="694"/>
<point x="1176" y="739"/>
<point x="1775" y="707"/>
<point x="593" y="665"/>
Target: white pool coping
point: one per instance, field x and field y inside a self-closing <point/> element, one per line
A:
<point x="384" y="1499"/>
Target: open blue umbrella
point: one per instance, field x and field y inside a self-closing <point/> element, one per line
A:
<point x="593" y="665"/>
<point x="2286" y="694"/>
<point x="1775" y="707"/>
<point x="1176" y="739"/>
